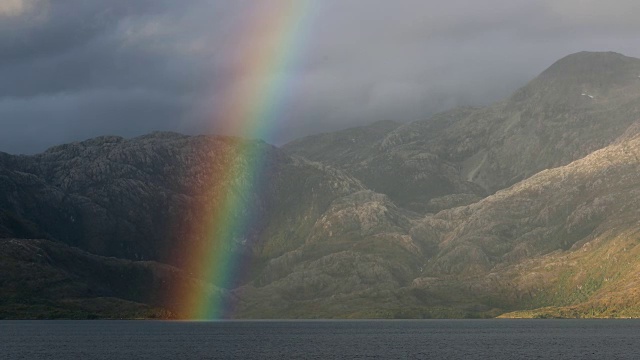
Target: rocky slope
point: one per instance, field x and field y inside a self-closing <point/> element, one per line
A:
<point x="487" y="255"/>
<point x="527" y="208"/>
<point x="566" y="237"/>
<point x="553" y="239"/>
<point x="139" y="199"/>
<point x="134" y="198"/>
<point x="580" y="104"/>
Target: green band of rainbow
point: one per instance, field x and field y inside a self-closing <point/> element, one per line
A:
<point x="269" y="49"/>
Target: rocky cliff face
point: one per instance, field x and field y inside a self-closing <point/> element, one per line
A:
<point x="527" y="205"/>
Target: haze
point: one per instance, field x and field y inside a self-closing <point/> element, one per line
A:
<point x="81" y="68"/>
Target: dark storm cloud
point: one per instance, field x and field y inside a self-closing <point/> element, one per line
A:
<point x="72" y="45"/>
<point x="72" y="69"/>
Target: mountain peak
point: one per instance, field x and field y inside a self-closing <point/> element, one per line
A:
<point x="583" y="75"/>
<point x="587" y="62"/>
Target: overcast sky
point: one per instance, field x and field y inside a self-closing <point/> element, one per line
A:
<point x="74" y="69"/>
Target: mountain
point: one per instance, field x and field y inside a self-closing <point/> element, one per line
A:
<point x="524" y="208"/>
<point x="47" y="280"/>
<point x="135" y="199"/>
<point x="580" y="104"/>
<point x="566" y="237"/>
<point x="563" y="237"/>
<point x="132" y="198"/>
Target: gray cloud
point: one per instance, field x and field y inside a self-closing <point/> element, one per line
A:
<point x="73" y="69"/>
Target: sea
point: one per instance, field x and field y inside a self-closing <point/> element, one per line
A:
<point x="363" y="339"/>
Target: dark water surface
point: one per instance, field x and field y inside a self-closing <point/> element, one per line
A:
<point x="403" y="339"/>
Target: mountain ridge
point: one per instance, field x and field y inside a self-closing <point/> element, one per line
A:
<point x="524" y="131"/>
<point x="506" y="210"/>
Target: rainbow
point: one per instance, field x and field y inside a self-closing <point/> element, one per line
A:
<point x="266" y="51"/>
